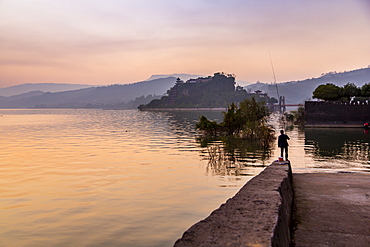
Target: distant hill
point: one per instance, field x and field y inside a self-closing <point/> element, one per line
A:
<point x="186" y="77"/>
<point x="76" y="96"/>
<point x="183" y="77"/>
<point x="243" y="83"/>
<point x="214" y="91"/>
<point x="112" y="94"/>
<point x="44" y="87"/>
<point x="299" y="91"/>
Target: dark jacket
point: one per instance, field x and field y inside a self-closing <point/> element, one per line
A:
<point x="283" y="140"/>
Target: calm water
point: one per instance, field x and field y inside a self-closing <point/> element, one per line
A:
<point x="130" y="178"/>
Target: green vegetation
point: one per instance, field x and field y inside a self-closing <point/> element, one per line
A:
<point x="298" y="91"/>
<point x="296" y="117"/>
<point x="328" y="91"/>
<point x="272" y="101"/>
<point x="331" y="92"/>
<point x="248" y="121"/>
<point x="365" y="90"/>
<point x="218" y="90"/>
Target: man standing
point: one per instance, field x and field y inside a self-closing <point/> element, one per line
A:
<point x="283" y="144"/>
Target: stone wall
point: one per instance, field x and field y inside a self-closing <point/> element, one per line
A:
<point x="336" y="114"/>
<point x="260" y="214"/>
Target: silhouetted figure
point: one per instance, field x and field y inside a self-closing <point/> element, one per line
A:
<point x="283" y="144"/>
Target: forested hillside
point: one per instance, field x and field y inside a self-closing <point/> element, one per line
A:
<point x="216" y="91"/>
<point x="299" y="91"/>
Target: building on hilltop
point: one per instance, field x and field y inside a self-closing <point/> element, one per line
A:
<point x="260" y="94"/>
<point x="199" y="80"/>
<point x="205" y="92"/>
<point x="173" y="92"/>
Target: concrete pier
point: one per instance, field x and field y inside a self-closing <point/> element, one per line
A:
<point x="332" y="209"/>
<point x="258" y="215"/>
<point x="325" y="209"/>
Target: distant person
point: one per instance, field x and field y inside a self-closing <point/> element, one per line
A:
<point x="283" y="144"/>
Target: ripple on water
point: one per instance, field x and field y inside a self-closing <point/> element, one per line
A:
<point x="122" y="178"/>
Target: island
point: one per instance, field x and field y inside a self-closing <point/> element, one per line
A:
<point x="217" y="91"/>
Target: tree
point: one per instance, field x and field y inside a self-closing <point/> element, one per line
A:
<point x="207" y="126"/>
<point x="272" y="101"/>
<point x="232" y="122"/>
<point x="216" y="91"/>
<point x="328" y="91"/>
<point x="253" y="111"/>
<point x="249" y="121"/>
<point x="350" y="90"/>
<point x="365" y="90"/>
<point x="255" y="116"/>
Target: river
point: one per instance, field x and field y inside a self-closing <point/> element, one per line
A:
<point x="132" y="178"/>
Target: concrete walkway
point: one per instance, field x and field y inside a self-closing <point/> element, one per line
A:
<point x="257" y="216"/>
<point x="332" y="209"/>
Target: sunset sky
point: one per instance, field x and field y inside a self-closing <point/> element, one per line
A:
<point x="125" y="41"/>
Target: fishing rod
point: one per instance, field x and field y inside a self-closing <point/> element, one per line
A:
<point x="273" y="72"/>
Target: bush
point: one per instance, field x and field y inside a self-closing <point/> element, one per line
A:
<point x="248" y="121"/>
<point x="208" y="127"/>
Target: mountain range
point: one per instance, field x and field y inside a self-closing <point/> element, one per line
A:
<point x="75" y="96"/>
<point x="183" y="77"/>
<point x="44" y="87"/>
<point x="296" y="92"/>
<point x="112" y="94"/>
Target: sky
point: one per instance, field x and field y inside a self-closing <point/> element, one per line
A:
<point x="125" y="41"/>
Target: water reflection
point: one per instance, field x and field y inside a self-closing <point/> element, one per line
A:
<point x="311" y="149"/>
<point x="226" y="157"/>
<point x="347" y="145"/>
<point x="230" y="156"/>
<point x="135" y="173"/>
<point x="184" y="121"/>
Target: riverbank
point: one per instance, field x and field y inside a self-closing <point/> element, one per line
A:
<point x="330" y="210"/>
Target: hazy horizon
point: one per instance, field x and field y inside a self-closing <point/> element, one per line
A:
<point x="161" y="76"/>
<point x="103" y="43"/>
